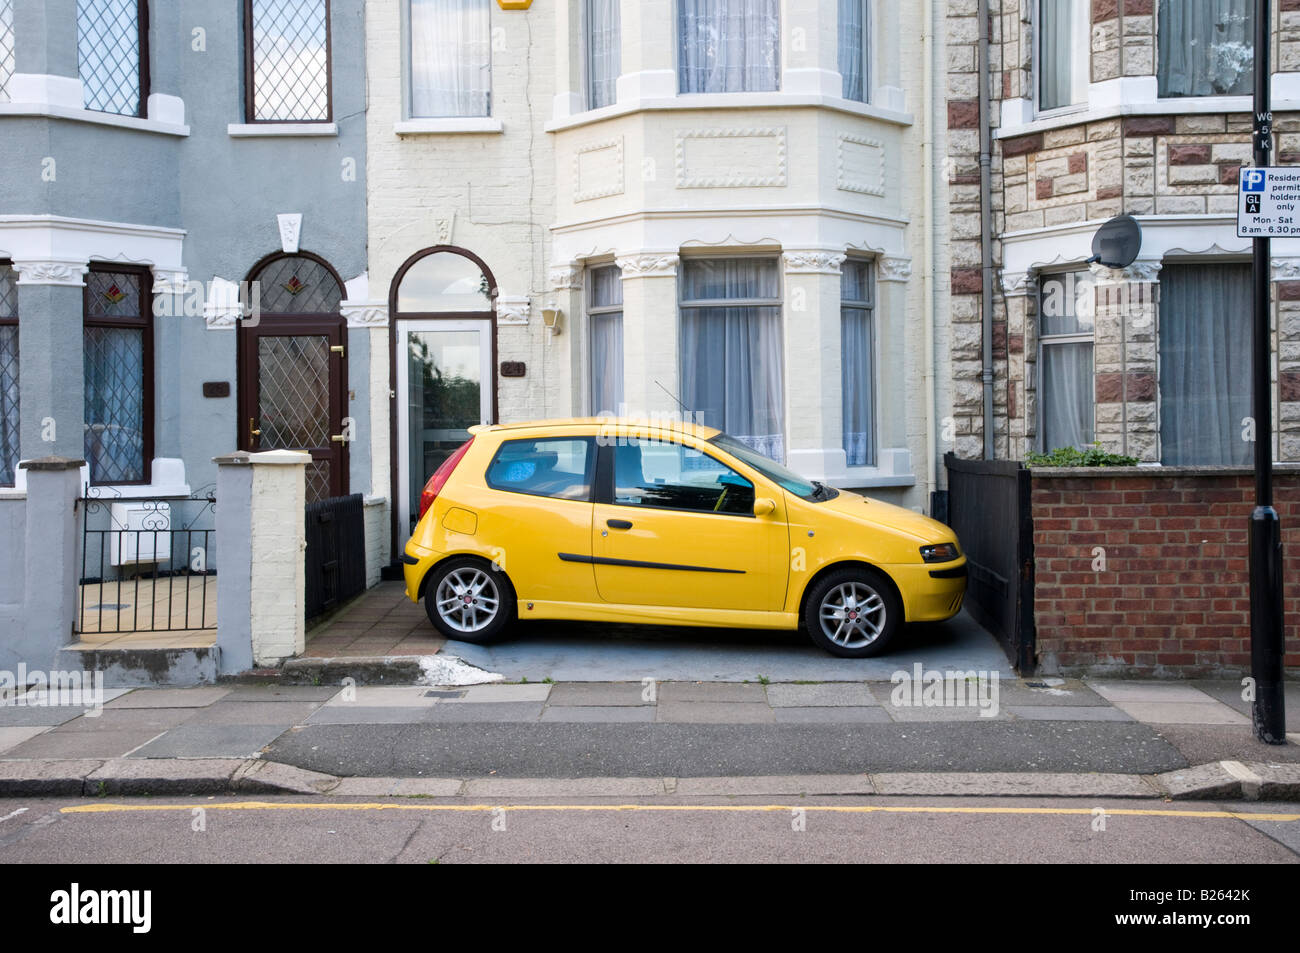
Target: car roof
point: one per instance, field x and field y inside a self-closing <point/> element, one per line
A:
<point x="664" y="424"/>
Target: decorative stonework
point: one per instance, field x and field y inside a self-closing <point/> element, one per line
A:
<point x="1286" y="269"/>
<point x="566" y="277"/>
<point x="648" y="266"/>
<point x="893" y="269"/>
<point x="1016" y="283"/>
<point x="860" y="165"/>
<point x="443" y="228"/>
<point x="813" y="262"/>
<point x="731" y="158"/>
<point x="169" y="281"/>
<point x="221" y="310"/>
<point x="598" y="170"/>
<point x="364" y="314"/>
<point x="50" y="272"/>
<point x="1143" y="272"/>
<point x="290" y="231"/>
<point x="513" y="309"/>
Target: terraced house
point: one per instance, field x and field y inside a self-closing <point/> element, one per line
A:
<point x="1101" y="108"/>
<point x="711" y="207"/>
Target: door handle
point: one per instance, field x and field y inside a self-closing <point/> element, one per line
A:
<point x="253" y="432"/>
<point x="619" y="524"/>
<point x="338" y="438"/>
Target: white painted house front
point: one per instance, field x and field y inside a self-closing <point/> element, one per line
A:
<point x="713" y="207"/>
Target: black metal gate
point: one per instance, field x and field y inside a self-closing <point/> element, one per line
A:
<point x="336" y="552"/>
<point x="989" y="509"/>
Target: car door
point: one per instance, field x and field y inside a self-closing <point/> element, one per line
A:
<point x="535" y="505"/>
<point x="674" y="526"/>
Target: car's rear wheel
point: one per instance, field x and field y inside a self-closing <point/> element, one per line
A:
<point x="470" y="600"/>
<point x="853" y="612"/>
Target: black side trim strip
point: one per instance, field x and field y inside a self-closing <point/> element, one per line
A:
<point x="638" y="564"/>
<point x="957" y="572"/>
<point x="409" y="560"/>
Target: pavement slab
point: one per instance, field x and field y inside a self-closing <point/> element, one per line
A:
<point x="113" y="743"/>
<point x="864" y="715"/>
<point x="600" y="694"/>
<point x="163" y="776"/>
<point x="608" y="713"/>
<point x="169" y="698"/>
<point x="1003" y="784"/>
<point x="485" y="712"/>
<point x="385" y="696"/>
<point x="1115" y="690"/>
<point x="724" y="712"/>
<point x="710" y="692"/>
<point x="781" y="786"/>
<point x="365" y="715"/>
<point x="19" y="716"/>
<point x="1067" y="713"/>
<point x="827" y="694"/>
<point x="254" y="713"/>
<point x="15" y="735"/>
<point x="1183" y="713"/>
<point x="211" y="741"/>
<point x="563" y="787"/>
<point x="125" y="719"/>
<point x="282" y="693"/>
<point x="497" y="694"/>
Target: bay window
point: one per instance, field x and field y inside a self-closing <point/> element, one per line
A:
<point x="1205" y="365"/>
<point x="727" y="46"/>
<point x="1063" y="53"/>
<point x="857" y="362"/>
<point x="1205" y="47"/>
<point x="1066" y="388"/>
<point x="118" y="356"/>
<point x="605" y="316"/>
<point x="113" y="55"/>
<point x="852" y="53"/>
<point x="731" y="349"/>
<point x="603" y="55"/>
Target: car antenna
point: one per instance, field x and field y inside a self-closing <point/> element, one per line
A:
<point x="675" y="397"/>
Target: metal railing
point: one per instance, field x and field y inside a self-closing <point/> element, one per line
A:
<point x="145" y="564"/>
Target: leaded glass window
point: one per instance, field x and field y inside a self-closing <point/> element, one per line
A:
<point x="112" y="54"/>
<point x="288" y="60"/>
<point x="118" y="376"/>
<point x="9" y="420"/>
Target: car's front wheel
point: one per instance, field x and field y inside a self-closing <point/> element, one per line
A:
<point x="853" y="612"/>
<point x="470" y="600"/>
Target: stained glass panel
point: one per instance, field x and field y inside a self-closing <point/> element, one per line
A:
<point x="297" y="285"/>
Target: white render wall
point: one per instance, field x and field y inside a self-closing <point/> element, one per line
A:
<point x="800" y="175"/>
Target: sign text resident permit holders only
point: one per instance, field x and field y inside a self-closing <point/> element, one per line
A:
<point x="1268" y="202"/>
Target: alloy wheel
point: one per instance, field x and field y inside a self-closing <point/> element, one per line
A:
<point x="852" y="615"/>
<point x="467" y="599"/>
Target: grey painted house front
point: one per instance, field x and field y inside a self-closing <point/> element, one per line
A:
<point x="182" y="226"/>
<point x="156" y="156"/>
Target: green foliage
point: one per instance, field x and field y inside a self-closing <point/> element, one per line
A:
<point x="1094" y="456"/>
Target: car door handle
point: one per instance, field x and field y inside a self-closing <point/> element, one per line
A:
<point x="619" y="524"/>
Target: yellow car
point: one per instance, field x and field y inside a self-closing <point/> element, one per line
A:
<point x="620" y="521"/>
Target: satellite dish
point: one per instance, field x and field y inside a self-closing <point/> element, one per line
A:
<point x="1117" y="243"/>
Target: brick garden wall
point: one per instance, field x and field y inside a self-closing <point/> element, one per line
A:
<point x="1172" y="598"/>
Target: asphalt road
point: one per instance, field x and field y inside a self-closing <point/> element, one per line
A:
<point x="664" y="830"/>
<point x="563" y="750"/>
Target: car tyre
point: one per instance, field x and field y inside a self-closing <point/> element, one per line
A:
<point x="853" y="613"/>
<point x="469" y="600"/>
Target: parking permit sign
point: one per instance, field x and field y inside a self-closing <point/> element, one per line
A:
<point x="1268" y="203"/>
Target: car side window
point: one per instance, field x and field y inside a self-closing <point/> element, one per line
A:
<point x="676" y="477"/>
<point x="556" y="467"/>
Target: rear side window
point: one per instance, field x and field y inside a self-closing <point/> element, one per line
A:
<point x="674" y="477"/>
<point x="556" y="467"/>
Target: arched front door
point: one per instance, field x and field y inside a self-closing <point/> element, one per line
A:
<point x="444" y="346"/>
<point x="293" y="368"/>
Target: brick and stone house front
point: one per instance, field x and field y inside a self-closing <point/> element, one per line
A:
<point x="1100" y="108"/>
<point x="1155" y="122"/>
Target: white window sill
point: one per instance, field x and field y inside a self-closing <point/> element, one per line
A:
<point x="54" y="111"/>
<point x="695" y="101"/>
<point x="865" y="477"/>
<point x="1180" y="106"/>
<point x="257" y="130"/>
<point x="453" y="125"/>
<point x="12" y="493"/>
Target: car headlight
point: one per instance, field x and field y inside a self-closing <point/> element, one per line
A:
<point x="939" y="552"/>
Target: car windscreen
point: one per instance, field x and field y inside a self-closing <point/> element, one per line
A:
<point x="789" y="481"/>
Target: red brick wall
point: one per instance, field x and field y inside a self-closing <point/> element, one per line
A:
<point x="1173" y="598"/>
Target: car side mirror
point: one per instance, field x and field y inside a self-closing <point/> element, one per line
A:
<point x="764" y="506"/>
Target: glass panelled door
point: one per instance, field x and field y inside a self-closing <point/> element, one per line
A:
<point x="444" y="387"/>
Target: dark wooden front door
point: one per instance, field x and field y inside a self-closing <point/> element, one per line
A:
<point x="292" y="394"/>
